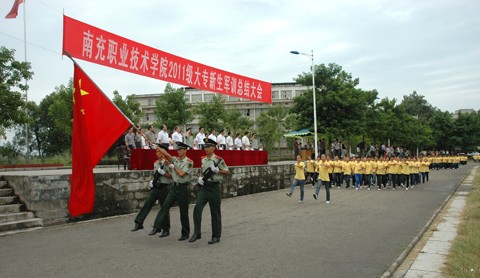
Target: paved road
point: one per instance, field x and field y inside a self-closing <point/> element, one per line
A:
<point x="264" y="235"/>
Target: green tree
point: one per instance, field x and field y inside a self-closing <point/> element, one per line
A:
<point x="13" y="74"/>
<point x="211" y="115"/>
<point x="341" y="107"/>
<point x="130" y="106"/>
<point x="234" y="121"/>
<point x="467" y="127"/>
<point x="417" y="106"/>
<point x="172" y="108"/>
<point x="271" y="126"/>
<point x="442" y="126"/>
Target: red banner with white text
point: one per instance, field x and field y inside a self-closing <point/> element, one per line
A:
<point x="95" y="45"/>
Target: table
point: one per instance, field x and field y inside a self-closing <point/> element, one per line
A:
<point x="143" y="159"/>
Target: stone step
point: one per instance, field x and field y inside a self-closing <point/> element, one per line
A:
<point x="11" y="208"/>
<point x="21" y="224"/>
<point x="17" y="216"/>
<point x="19" y="231"/>
<point x="8" y="200"/>
<point x="3" y="184"/>
<point x="6" y="192"/>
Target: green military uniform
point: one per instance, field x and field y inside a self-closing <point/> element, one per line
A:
<point x="159" y="192"/>
<point x="178" y="193"/>
<point x="210" y="193"/>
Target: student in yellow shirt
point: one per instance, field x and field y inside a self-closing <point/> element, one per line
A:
<point x="405" y="171"/>
<point x="330" y="171"/>
<point x="347" y="171"/>
<point x="337" y="171"/>
<point x="323" y="167"/>
<point x="310" y="170"/>
<point x="299" y="179"/>
<point x="414" y="171"/>
<point x="380" y="171"/>
<point x="358" y="168"/>
<point x="368" y="171"/>
<point x="424" y="169"/>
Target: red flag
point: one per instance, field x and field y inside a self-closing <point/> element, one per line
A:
<point x="97" y="124"/>
<point x="14" y="11"/>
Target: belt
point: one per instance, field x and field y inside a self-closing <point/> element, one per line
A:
<point x="210" y="183"/>
<point x="180" y="183"/>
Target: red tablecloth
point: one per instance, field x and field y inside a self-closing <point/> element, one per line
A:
<point x="141" y="159"/>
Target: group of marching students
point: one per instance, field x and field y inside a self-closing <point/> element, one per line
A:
<point x="393" y="172"/>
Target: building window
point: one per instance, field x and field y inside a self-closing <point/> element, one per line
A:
<point x="150" y="102"/>
<point x="299" y="93"/>
<point x="275" y="95"/>
<point x="285" y="94"/>
<point x="196" y="98"/>
<point x="147" y="117"/>
<point x="246" y="112"/>
<point x="207" y="97"/>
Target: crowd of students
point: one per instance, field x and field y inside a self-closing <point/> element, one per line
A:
<point x="382" y="172"/>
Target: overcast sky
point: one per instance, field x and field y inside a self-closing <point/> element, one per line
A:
<point x="395" y="47"/>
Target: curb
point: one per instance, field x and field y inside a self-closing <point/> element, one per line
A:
<point x="393" y="267"/>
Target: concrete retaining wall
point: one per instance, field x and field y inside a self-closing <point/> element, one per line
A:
<point x="125" y="192"/>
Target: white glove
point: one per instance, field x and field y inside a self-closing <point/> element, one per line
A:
<point x="214" y="169"/>
<point x="171" y="166"/>
<point x="200" y="180"/>
<point x="161" y="171"/>
<point x="150" y="185"/>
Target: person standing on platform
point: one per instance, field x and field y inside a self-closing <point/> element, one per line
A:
<point x="150" y="136"/>
<point x="213" y="135"/>
<point x="238" y="142"/>
<point x="254" y="142"/>
<point x="245" y="141"/>
<point x="200" y="136"/>
<point x="189" y="137"/>
<point x="221" y="142"/>
<point x="181" y="168"/>
<point x="212" y="172"/>
<point x="159" y="187"/>
<point x="229" y="141"/>
<point x="299" y="179"/>
<point x="163" y="137"/>
<point x="129" y="139"/>
<point x="177" y="135"/>
<point x="323" y="167"/>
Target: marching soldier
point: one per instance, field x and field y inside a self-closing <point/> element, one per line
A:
<point x="159" y="187"/>
<point x="212" y="172"/>
<point x="181" y="167"/>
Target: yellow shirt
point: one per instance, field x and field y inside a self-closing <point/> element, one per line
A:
<point x="347" y="168"/>
<point x="405" y="168"/>
<point x="299" y="170"/>
<point x="337" y="166"/>
<point x="368" y="167"/>
<point x="381" y="168"/>
<point x="358" y="167"/>
<point x="310" y="166"/>
<point x="322" y="169"/>
<point x="424" y="166"/>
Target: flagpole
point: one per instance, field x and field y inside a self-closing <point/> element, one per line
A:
<point x="26" y="83"/>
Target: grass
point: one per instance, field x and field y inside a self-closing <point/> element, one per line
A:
<point x="464" y="257"/>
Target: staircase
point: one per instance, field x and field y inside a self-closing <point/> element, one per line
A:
<point x="13" y="217"/>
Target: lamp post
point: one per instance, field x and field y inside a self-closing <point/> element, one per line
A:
<point x="314" y="99"/>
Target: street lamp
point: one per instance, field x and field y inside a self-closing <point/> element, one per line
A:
<point x="314" y="99"/>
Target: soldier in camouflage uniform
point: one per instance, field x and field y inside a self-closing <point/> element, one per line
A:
<point x="159" y="187"/>
<point x="181" y="167"/>
<point x="212" y="172"/>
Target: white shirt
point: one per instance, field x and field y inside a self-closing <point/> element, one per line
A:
<point x="238" y="143"/>
<point x="177" y="137"/>
<point x="213" y="137"/>
<point x="163" y="137"/>
<point x="229" y="141"/>
<point x="221" y="139"/>
<point x="245" y="142"/>
<point x="200" y="137"/>
<point x="142" y="142"/>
